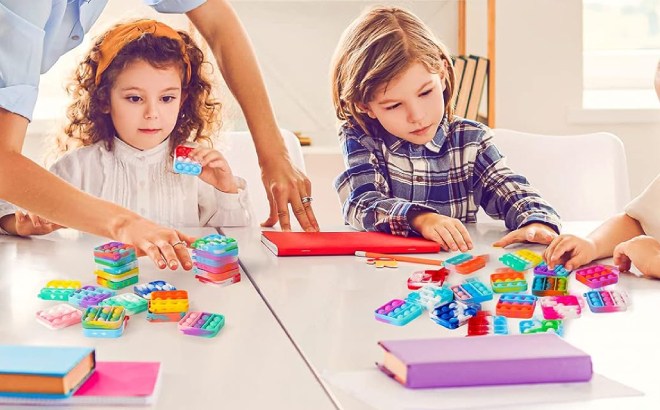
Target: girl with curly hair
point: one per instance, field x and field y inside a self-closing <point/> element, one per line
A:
<point x="139" y="93"/>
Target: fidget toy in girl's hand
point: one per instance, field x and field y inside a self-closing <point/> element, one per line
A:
<point x="167" y="306"/>
<point x="521" y="260"/>
<point x="549" y="286"/>
<point x="129" y="301"/>
<point x="183" y="164"/>
<point x="427" y="277"/>
<point x="506" y="280"/>
<point x="466" y="263"/>
<point x="59" y="289"/>
<point x="543" y="270"/>
<point x="145" y="289"/>
<point x="605" y="301"/>
<point x="598" y="276"/>
<point x="89" y="296"/>
<point x="486" y="324"/>
<point x="561" y="307"/>
<point x="430" y="296"/>
<point x="454" y="314"/>
<point x="201" y="324"/>
<point x="542" y="326"/>
<point x="514" y="305"/>
<point x="104" y="321"/>
<point x="59" y="316"/>
<point x="472" y="290"/>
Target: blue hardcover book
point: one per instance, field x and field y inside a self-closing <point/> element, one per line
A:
<point x="44" y="371"/>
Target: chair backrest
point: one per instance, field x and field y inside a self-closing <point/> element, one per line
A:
<point x="242" y="157"/>
<point x="584" y="177"/>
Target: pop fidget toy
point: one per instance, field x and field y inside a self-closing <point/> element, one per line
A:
<point x="129" y="301"/>
<point x="542" y="270"/>
<point x="145" y="289"/>
<point x="466" y="263"/>
<point x="59" y="316"/>
<point x="89" y="296"/>
<point x="508" y="280"/>
<point x="454" y="314"/>
<point x="521" y="260"/>
<point x="398" y="312"/>
<point x="472" y="290"/>
<point x="383" y="262"/>
<point x="104" y="321"/>
<point x="117" y="265"/>
<point x="541" y="326"/>
<point x="549" y="286"/>
<point x="201" y="324"/>
<point x="561" y="307"/>
<point x="598" y="276"/>
<point x="605" y="301"/>
<point x="114" y="254"/>
<point x="184" y="165"/>
<point x="59" y="290"/>
<point x="427" y="277"/>
<point x="216" y="260"/>
<point x="486" y="324"/>
<point x="430" y="296"/>
<point x="513" y="305"/>
<point x="167" y="306"/>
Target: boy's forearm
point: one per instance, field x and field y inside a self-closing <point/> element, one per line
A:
<point x="617" y="229"/>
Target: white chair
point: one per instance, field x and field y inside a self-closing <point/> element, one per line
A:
<point x="584" y="177"/>
<point x="242" y="157"/>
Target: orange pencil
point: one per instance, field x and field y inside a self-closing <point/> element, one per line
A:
<point x="400" y="258"/>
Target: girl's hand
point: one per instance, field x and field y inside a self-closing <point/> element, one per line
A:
<point x="642" y="251"/>
<point x="215" y="169"/>
<point x="27" y="224"/>
<point x="450" y="233"/>
<point x="570" y="251"/>
<point x="534" y="232"/>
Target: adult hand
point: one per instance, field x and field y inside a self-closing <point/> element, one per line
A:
<point x="534" y="233"/>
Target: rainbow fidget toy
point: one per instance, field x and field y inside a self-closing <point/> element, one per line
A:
<point x="167" y="306"/>
<point x="542" y="270"/>
<point x="104" y="321"/>
<point x="129" y="301"/>
<point x="89" y="296"/>
<point x="201" y="324"/>
<point x="59" y="290"/>
<point x="549" y="286"/>
<point x="506" y="280"/>
<point x="518" y="306"/>
<point x="598" y="276"/>
<point x="117" y="265"/>
<point x="216" y="259"/>
<point x="465" y="263"/>
<point x="521" y="260"/>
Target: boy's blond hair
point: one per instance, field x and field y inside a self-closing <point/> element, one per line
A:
<point x="375" y="49"/>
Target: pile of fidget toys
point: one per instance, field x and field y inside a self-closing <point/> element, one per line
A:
<point x="453" y="306"/>
<point x="104" y="313"/>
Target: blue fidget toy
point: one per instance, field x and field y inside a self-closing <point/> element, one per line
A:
<point x="145" y="289"/>
<point x="454" y="314"/>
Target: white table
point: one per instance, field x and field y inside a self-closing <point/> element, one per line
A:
<point x="250" y="364"/>
<point x="326" y="304"/>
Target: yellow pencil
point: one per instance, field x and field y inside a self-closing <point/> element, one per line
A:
<point x="400" y="258"/>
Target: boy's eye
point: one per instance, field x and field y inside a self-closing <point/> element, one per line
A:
<point x="391" y="107"/>
<point x="134" y="98"/>
<point x="168" y="98"/>
<point x="427" y="92"/>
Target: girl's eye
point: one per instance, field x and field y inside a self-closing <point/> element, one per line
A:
<point x="168" y="98"/>
<point x="134" y="98"/>
<point x="427" y="92"/>
<point x="391" y="107"/>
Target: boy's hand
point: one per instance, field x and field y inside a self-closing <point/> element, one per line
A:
<point x="534" y="232"/>
<point x="450" y="233"/>
<point x="642" y="251"/>
<point x="215" y="169"/>
<point x="570" y="251"/>
<point x="25" y="225"/>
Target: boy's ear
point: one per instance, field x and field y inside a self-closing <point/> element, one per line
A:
<point x="365" y="109"/>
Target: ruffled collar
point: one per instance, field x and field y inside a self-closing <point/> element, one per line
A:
<point x="126" y="153"/>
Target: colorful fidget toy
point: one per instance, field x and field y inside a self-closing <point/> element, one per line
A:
<point x="201" y="324"/>
<point x="549" y="286"/>
<point x="398" y="312"/>
<point x="508" y="280"/>
<point x="114" y="254"/>
<point x="145" y="289"/>
<point x="541" y="326"/>
<point x="521" y="260"/>
<point x="104" y="321"/>
<point x="598" y="276"/>
<point x="605" y="301"/>
<point x="167" y="306"/>
<point x="131" y="302"/>
<point x="383" y="262"/>
<point x="427" y="277"/>
<point x="59" y="289"/>
<point x="183" y="164"/>
<point x="486" y="324"/>
<point x="215" y="244"/>
<point x="561" y="307"/>
<point x="117" y="265"/>
<point x="89" y="296"/>
<point x="472" y="290"/>
<point x="466" y="263"/>
<point x="430" y="296"/>
<point x="454" y="314"/>
<point x="59" y="316"/>
<point x="513" y="305"/>
<point x="542" y="270"/>
<point x="216" y="260"/>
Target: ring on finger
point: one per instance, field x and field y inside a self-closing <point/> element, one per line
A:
<point x="306" y="199"/>
<point x="179" y="243"/>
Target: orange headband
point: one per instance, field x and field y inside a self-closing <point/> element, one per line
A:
<point x="117" y="38"/>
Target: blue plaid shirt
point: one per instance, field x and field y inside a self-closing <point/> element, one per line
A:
<point x="454" y="174"/>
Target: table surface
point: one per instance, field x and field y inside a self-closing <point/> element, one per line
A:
<point x="326" y="305"/>
<point x="250" y="364"/>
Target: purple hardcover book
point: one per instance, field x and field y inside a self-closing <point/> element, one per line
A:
<point x="479" y="361"/>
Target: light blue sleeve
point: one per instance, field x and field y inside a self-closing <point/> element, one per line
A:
<point x="174" y="6"/>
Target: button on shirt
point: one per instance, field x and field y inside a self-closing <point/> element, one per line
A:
<point x="34" y="34"/>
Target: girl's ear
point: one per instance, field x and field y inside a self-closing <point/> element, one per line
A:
<point x="364" y="108"/>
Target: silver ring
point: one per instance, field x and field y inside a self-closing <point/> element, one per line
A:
<point x="306" y="199"/>
<point x="179" y="243"/>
